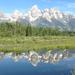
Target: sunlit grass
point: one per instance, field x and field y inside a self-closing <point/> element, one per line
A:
<point x="21" y="43"/>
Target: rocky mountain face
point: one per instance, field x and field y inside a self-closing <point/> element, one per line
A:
<point x="47" y="17"/>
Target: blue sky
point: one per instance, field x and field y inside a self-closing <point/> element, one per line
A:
<point x="8" y="6"/>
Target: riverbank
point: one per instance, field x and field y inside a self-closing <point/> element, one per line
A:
<point x="21" y="43"/>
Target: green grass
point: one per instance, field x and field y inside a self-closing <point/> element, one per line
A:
<point x="21" y="43"/>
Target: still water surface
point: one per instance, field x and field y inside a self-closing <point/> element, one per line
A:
<point x="32" y="63"/>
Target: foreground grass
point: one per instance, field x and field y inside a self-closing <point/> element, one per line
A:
<point x="21" y="43"/>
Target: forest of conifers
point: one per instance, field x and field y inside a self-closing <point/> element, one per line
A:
<point x="18" y="29"/>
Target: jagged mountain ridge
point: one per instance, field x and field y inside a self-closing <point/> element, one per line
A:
<point x="47" y="17"/>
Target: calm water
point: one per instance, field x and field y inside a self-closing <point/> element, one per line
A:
<point x="32" y="63"/>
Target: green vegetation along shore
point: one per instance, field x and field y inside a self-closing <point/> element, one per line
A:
<point x="18" y="37"/>
<point x="20" y="44"/>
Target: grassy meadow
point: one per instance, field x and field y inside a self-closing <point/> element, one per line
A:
<point x="21" y="43"/>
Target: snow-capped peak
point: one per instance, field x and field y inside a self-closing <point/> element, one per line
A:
<point x="56" y="13"/>
<point x="16" y="14"/>
<point x="34" y="13"/>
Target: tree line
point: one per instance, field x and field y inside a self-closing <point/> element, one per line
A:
<point x="18" y="29"/>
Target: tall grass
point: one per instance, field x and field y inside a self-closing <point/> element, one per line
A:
<point x="22" y="43"/>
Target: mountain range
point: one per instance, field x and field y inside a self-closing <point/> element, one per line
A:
<point x="48" y="17"/>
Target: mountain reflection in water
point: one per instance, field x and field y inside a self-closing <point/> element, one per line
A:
<point x="34" y="58"/>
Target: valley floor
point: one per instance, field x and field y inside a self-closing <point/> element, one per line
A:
<point x="21" y="43"/>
